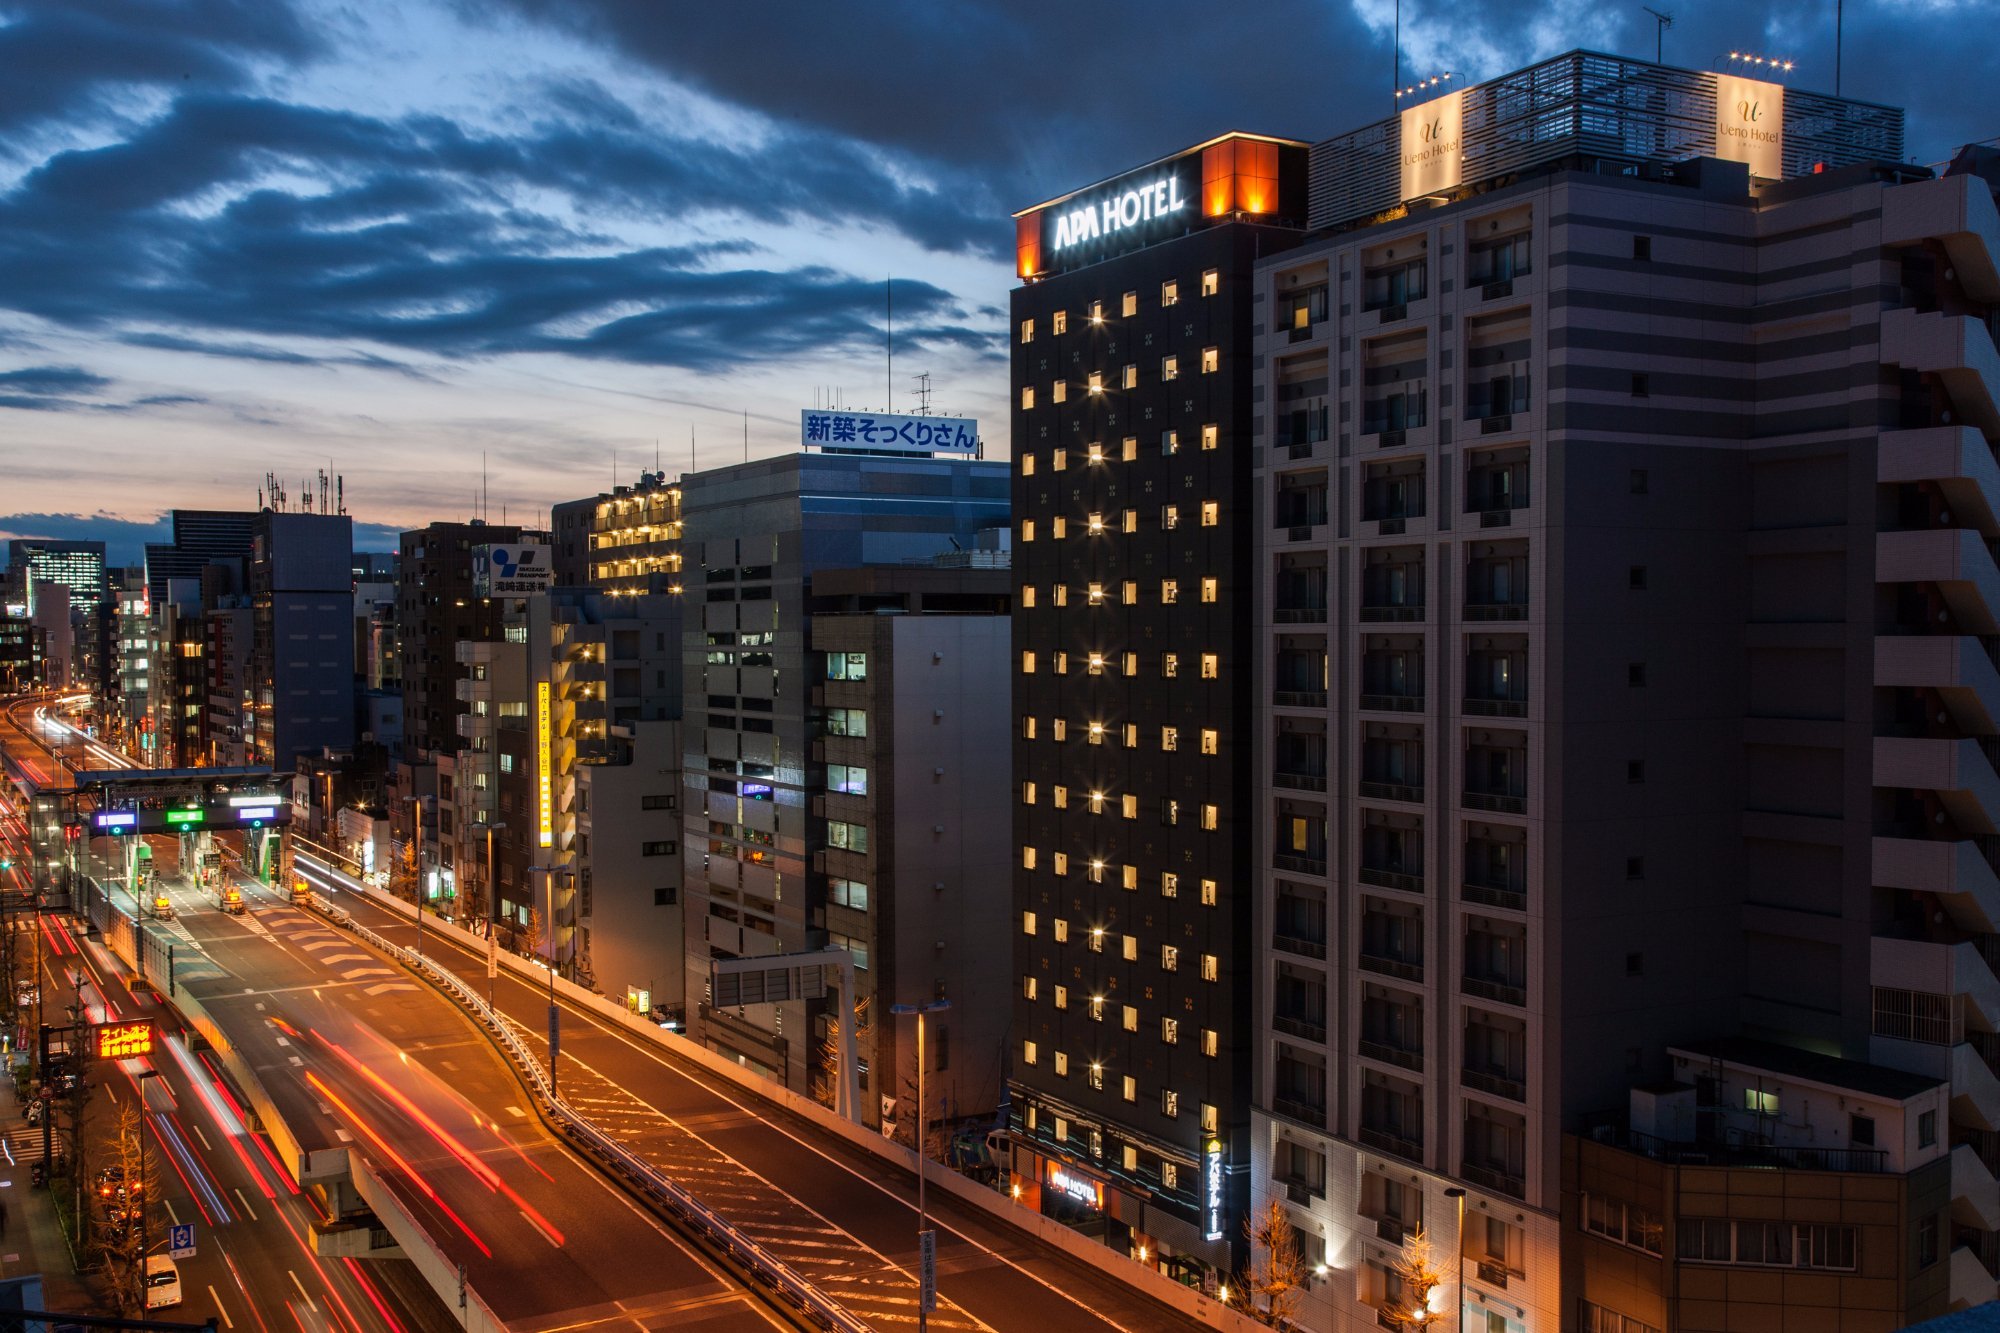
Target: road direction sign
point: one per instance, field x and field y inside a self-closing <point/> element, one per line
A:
<point x="180" y="1241"/>
<point x="927" y="1280"/>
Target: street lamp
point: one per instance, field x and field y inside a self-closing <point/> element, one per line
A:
<point x="1458" y="1294"/>
<point x="492" y="914"/>
<point x="926" y="1238"/>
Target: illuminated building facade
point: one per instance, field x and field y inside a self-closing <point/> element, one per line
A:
<point x="625" y="542"/>
<point x="1134" y="417"/>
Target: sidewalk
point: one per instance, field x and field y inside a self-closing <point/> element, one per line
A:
<point x="31" y="1238"/>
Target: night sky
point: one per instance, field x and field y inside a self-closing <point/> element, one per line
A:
<point x="250" y="235"/>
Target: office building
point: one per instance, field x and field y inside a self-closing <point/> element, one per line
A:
<point x="77" y="565"/>
<point x="200" y="537"/>
<point x="436" y="609"/>
<point x="20" y="655"/>
<point x="626" y="541"/>
<point x="758" y="828"/>
<point x="301" y="672"/>
<point x="1622" y="824"/>
<point x="1133" y="428"/>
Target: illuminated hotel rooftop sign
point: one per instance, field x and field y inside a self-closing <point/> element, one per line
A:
<point x="1246" y="176"/>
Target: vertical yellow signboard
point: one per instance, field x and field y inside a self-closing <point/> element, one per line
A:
<point x="545" y="828"/>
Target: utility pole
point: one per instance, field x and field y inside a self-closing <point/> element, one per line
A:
<point x="926" y="1238"/>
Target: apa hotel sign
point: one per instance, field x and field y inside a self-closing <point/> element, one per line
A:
<point x="1117" y="212"/>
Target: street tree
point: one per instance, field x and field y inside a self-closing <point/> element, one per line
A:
<point x="1417" y="1268"/>
<point x="1275" y="1284"/>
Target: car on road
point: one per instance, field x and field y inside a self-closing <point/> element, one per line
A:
<point x="111" y="1183"/>
<point x="163" y="1282"/>
<point x="163" y="909"/>
<point x="232" y="900"/>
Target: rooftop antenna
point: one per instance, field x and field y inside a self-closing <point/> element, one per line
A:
<point x="485" y="496"/>
<point x="746" y="435"/>
<point x="1661" y="23"/>
<point x="691" y="467"/>
<point x="889" y="305"/>
<point x="1839" y="24"/>
<point x="924" y="394"/>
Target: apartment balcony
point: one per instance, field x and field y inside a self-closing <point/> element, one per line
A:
<point x="1403" y="969"/>
<point x="1512" y="897"/>
<point x="1393" y="791"/>
<point x="1957" y="771"/>
<point x="1497" y="1179"/>
<point x="1940" y="969"/>
<point x="1295" y="944"/>
<point x="1401" y="612"/>
<point x="1958" y="350"/>
<point x="1955" y="459"/>
<point x="1307" y="614"/>
<point x="1387" y="1141"/>
<point x="1957" y="872"/>
<point x="1483" y="705"/>
<point x="1975" y="1195"/>
<point x="1971" y="1284"/>
<point x="1501" y="1083"/>
<point x="1955" y="666"/>
<point x="1306" y="1113"/>
<point x="466" y="689"/>
<point x="1502" y="990"/>
<point x="1300" y="781"/>
<point x="1958" y="561"/>
<point x="1302" y="864"/>
<point x="1487" y="797"/>
<point x="1299" y="699"/>
<point x="1958" y="213"/>
<point x="1305" y="1028"/>
<point x="1392" y="703"/>
<point x="586" y="673"/>
<point x="1390" y="879"/>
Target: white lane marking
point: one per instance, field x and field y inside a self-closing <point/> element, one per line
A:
<point x="310" y="1305"/>
<point x="227" y="1322"/>
<point x="196" y="1127"/>
<point x="245" y="1202"/>
<point x="172" y="1216"/>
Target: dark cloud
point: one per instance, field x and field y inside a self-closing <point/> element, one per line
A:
<point x="63" y="56"/>
<point x="51" y="379"/>
<point x="125" y="539"/>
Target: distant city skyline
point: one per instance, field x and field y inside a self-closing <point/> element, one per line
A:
<point x="286" y="235"/>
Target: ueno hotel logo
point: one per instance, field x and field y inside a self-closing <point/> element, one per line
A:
<point x="1748" y="113"/>
<point x="1435" y="145"/>
<point x="1118" y="212"/>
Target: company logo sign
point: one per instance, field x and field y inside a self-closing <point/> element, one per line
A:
<point x="517" y="571"/>
<point x="545" y="790"/>
<point x="1750" y="124"/>
<point x="1211" y="1191"/>
<point x="124" y="1041"/>
<point x="1119" y="211"/>
<point x="889" y="431"/>
<point x="1082" y="1189"/>
<point x="1432" y="145"/>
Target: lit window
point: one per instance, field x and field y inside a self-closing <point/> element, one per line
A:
<point x="1059" y="391"/>
<point x="1059" y="798"/>
<point x="1027" y="727"/>
<point x="1170" y="442"/>
<point x="1027" y="396"/>
<point x="1131" y="664"/>
<point x="1208" y="1042"/>
<point x="1209" y="818"/>
<point x="1170" y="517"/>
<point x="1170" y="1030"/>
<point x="1211" y="666"/>
<point x="1170" y="1174"/>
<point x="1028" y="596"/>
<point x="1028" y="918"/>
<point x="1210" y="588"/>
<point x="1097" y="808"/>
<point x="1211" y="968"/>
<point x="1170" y="665"/>
<point x="1095" y="593"/>
<point x="1059" y="460"/>
<point x="1096" y="453"/>
<point x="1097" y="939"/>
<point x="1059" y="729"/>
<point x="1208" y="893"/>
<point x="1131" y="951"/>
<point x="1129" y="878"/>
<point x="1095" y="525"/>
<point x="1170" y="369"/>
<point x="1211" y="360"/>
<point x="1028" y="1056"/>
<point x="1130" y="305"/>
<point x="1097" y="664"/>
<point x="1096" y="736"/>
<point x="1028" y="863"/>
<point x="1131" y="448"/>
<point x="1170" y="884"/>
<point x="1170" y="591"/>
<point x="1170" y="958"/>
<point x="1030" y="987"/>
<point x="1130" y="592"/>
<point x="1211" y="281"/>
<point x="1170" y="738"/>
<point x="1131" y="1019"/>
<point x="1097" y="381"/>
<point x="1170" y="292"/>
<point x="1061" y="867"/>
<point x="1130" y="379"/>
<point x="1027" y="529"/>
<point x="1129" y="806"/>
<point x="1130" y="521"/>
<point x="1062" y="997"/>
<point x="1211" y="436"/>
<point x="1210" y="1118"/>
<point x="1097" y="312"/>
<point x="1059" y="527"/>
<point x="1211" y="513"/>
<point x="1027" y="661"/>
<point x="1027" y="465"/>
<point x="1131" y="735"/>
<point x="1059" y="322"/>
<point x="1096" y="1080"/>
<point x="1061" y="929"/>
<point x="1061" y="594"/>
<point x="1027" y="793"/>
<point x="1027" y="330"/>
<point x="1131" y="1090"/>
<point x="1097" y="1008"/>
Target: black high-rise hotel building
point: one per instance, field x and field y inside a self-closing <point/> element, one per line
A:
<point x="1134" y="416"/>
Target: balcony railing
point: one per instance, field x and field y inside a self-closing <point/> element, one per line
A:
<point x="1399" y="968"/>
<point x="1487" y="988"/>
<point x="1300" y="781"/>
<point x="1394" y="611"/>
<point x="1859" y="1160"/>
<point x="1301" y="1192"/>
<point x="1305" y="865"/>
<point x="1495" y="895"/>
<point x="1492" y="1274"/>
<point x="1393" y="703"/>
<point x="1299" y="698"/>
<point x="1401" y="1057"/>
<point x="1305" y="1028"/>
<point x="1501" y="802"/>
<point x="1498" y="1179"/>
<point x="1309" y="1113"/>
<point x="1496" y="610"/>
<point x="1496" y="707"/>
<point x="1382" y="1140"/>
<point x="1500" y="1085"/>
<point x="1390" y="1229"/>
<point x="1299" y="615"/>
<point x="1299" y="945"/>
<point x="1392" y="879"/>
